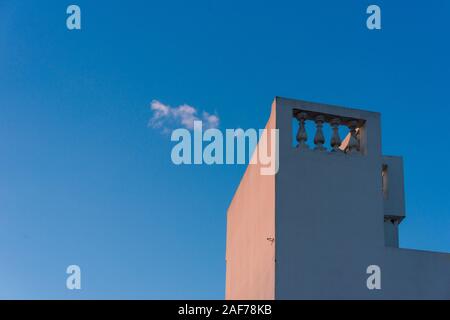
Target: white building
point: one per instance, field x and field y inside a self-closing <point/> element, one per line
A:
<point x="312" y="230"/>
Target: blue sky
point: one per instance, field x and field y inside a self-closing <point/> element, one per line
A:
<point x="84" y="180"/>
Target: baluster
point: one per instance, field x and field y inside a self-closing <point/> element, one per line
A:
<point x="302" y="137"/>
<point x="335" y="139"/>
<point x="319" y="138"/>
<point x="353" y="144"/>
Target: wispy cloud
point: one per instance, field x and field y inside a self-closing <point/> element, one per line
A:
<point x="166" y="117"/>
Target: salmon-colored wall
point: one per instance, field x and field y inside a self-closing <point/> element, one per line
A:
<point x="250" y="256"/>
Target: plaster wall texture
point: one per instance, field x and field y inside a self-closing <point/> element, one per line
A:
<point x="250" y="256"/>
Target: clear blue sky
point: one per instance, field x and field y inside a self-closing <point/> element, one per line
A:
<point x="84" y="180"/>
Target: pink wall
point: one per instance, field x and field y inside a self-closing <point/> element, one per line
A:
<point x="250" y="257"/>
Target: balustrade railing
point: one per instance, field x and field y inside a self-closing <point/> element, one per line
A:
<point x="350" y="145"/>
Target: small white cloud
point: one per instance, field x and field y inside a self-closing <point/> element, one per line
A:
<point x="160" y="112"/>
<point x="210" y="120"/>
<point x="166" y="117"/>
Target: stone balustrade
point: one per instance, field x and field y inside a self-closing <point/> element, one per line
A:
<point x="350" y="145"/>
